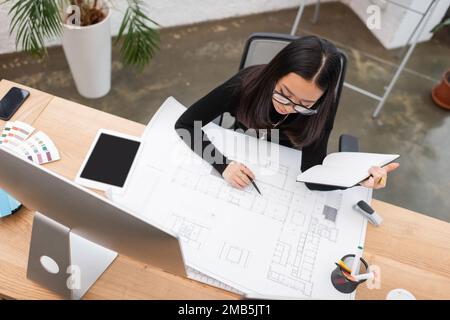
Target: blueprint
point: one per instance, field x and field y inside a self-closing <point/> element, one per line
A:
<point x="281" y="243"/>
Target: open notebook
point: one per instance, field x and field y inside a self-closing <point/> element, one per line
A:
<point x="345" y="169"/>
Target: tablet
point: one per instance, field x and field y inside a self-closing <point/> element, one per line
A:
<point x="109" y="161"/>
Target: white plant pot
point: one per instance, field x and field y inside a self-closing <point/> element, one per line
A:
<point x="88" y="52"/>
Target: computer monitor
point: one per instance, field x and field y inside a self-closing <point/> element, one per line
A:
<point x="87" y="215"/>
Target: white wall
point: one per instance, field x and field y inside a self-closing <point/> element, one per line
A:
<point x="170" y="13"/>
<point x="397" y="24"/>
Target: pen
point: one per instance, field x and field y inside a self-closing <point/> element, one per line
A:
<point x="342" y="265"/>
<point x="253" y="183"/>
<point x="343" y="270"/>
<point x="364" y="276"/>
<point x="381" y="180"/>
<point x="349" y="276"/>
<point x="356" y="261"/>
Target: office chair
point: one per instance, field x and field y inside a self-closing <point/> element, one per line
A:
<point x="260" y="48"/>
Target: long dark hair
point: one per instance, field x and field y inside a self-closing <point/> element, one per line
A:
<point x="312" y="58"/>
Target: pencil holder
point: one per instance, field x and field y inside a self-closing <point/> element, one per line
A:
<point x="340" y="281"/>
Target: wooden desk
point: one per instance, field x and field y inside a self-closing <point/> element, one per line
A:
<point x="31" y="108"/>
<point x="412" y="250"/>
<point x="72" y="127"/>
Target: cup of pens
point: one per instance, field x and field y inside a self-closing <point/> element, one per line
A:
<point x="350" y="272"/>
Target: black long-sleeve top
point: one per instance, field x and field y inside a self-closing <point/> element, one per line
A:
<point x="225" y="98"/>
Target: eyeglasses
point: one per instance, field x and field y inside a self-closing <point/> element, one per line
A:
<point x="299" y="108"/>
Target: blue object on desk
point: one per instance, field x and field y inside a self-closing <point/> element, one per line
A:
<point x="8" y="204"/>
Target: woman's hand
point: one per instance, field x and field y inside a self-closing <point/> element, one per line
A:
<point x="378" y="177"/>
<point x="237" y="175"/>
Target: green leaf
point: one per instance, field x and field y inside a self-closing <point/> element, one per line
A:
<point x="34" y="21"/>
<point x="441" y="25"/>
<point x="139" y="37"/>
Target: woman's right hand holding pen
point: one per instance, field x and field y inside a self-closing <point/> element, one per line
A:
<point x="238" y="175"/>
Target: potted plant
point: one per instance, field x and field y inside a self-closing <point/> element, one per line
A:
<point x="84" y="26"/>
<point x="441" y="92"/>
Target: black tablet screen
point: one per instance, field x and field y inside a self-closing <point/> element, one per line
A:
<point x="111" y="160"/>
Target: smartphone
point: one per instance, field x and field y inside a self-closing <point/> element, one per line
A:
<point x="11" y="102"/>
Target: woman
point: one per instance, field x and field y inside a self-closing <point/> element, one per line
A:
<point x="294" y="93"/>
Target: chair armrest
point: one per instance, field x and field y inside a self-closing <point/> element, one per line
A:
<point x="348" y="143"/>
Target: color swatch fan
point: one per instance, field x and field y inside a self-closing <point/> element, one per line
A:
<point x="15" y="132"/>
<point x="39" y="148"/>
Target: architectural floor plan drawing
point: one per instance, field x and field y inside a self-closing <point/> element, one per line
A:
<point x="191" y="232"/>
<point x="281" y="243"/>
<point x="234" y="254"/>
<point x="294" y="259"/>
<point x="275" y="203"/>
